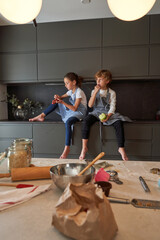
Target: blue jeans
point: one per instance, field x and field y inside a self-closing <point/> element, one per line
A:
<point x="68" y="124"/>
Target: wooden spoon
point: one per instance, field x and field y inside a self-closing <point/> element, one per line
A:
<point x="95" y="160"/>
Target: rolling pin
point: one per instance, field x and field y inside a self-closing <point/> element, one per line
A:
<point x="30" y="173"/>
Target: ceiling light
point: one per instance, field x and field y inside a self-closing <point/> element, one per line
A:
<point x="20" y="11"/>
<point x="130" y="10"/>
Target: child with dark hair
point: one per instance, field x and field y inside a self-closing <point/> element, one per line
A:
<point x="70" y="113"/>
<point x="103" y="100"/>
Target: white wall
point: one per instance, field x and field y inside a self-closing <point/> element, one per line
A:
<point x="3" y="105"/>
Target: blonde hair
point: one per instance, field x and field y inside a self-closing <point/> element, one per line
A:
<point x="105" y="74"/>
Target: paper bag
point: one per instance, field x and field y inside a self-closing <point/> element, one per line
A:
<point x="83" y="212"/>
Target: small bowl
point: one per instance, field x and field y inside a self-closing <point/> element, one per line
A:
<point x="62" y="174"/>
<point x="106" y="186"/>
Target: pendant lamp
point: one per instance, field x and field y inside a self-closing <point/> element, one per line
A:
<point x="130" y="10"/>
<point x="20" y="11"/>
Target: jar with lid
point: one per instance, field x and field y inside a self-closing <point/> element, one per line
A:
<point x="18" y="157"/>
<point x="24" y="142"/>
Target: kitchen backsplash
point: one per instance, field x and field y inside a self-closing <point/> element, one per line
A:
<point x="137" y="99"/>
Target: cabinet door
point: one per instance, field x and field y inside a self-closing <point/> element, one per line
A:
<point x="156" y="141"/>
<point x="138" y="139"/>
<point x="48" y="138"/>
<point x="18" y="67"/>
<point x="123" y="33"/>
<point x="69" y="34"/>
<point x="17" y="38"/>
<point x="54" y="65"/>
<point x="126" y="61"/>
<point x="9" y="132"/>
<point x="154" y="68"/>
<point x="154" y="29"/>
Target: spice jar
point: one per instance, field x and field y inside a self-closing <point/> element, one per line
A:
<point x="24" y="142"/>
<point x="18" y="157"/>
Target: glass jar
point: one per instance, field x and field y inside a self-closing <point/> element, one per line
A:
<point x="24" y="142"/>
<point x="18" y="157"/>
<point x="20" y="113"/>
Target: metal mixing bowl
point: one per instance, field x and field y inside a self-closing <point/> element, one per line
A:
<point x="62" y="174"/>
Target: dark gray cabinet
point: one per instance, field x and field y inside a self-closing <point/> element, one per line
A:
<point x="122" y="33"/>
<point x="69" y="34"/>
<point x="141" y="139"/>
<point x="18" y="54"/>
<point x="138" y="141"/>
<point x="18" y="68"/>
<point x="9" y="132"/>
<point x="131" y="50"/>
<point x="154" y="69"/>
<point x="53" y="66"/>
<point x="154" y="29"/>
<point x="126" y="61"/>
<point x="17" y="38"/>
<point x="156" y="141"/>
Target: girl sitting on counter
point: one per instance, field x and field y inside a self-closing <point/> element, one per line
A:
<point x="70" y="113"/>
<point x="103" y="101"/>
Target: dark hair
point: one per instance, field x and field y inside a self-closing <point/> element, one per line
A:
<point x="104" y="73"/>
<point x="73" y="76"/>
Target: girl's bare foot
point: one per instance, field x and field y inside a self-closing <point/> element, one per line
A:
<point x="121" y="150"/>
<point x="83" y="153"/>
<point x="39" y="118"/>
<point x="65" y="152"/>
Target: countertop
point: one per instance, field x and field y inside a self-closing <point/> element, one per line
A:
<point x="32" y="219"/>
<point x="49" y="121"/>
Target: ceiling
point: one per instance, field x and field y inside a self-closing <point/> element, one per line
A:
<point x="64" y="10"/>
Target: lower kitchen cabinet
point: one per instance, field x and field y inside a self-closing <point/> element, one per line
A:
<point x="141" y="139"/>
<point x="9" y="132"/>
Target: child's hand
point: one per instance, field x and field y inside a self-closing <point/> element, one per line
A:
<point x="58" y="100"/>
<point x="96" y="88"/>
<point x="57" y="97"/>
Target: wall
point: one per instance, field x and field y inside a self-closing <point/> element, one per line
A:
<point x="136" y="99"/>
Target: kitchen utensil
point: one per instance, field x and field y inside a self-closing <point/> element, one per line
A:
<point x="106" y="186"/>
<point x="114" y="177"/>
<point x="3" y="175"/>
<point x="16" y="185"/>
<point x="144" y="184"/>
<point x="30" y="173"/>
<point x="139" y="203"/>
<point x="90" y="164"/>
<point x="155" y="171"/>
<point x="62" y="174"/>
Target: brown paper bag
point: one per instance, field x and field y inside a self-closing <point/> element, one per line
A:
<point x="83" y="212"/>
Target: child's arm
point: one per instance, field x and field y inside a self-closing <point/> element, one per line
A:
<point x="60" y="97"/>
<point x="93" y="97"/>
<point x="71" y="107"/>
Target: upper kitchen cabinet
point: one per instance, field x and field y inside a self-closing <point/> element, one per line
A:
<point x="154" y="67"/>
<point x="18" y="68"/>
<point x="17" y="38"/>
<point x="52" y="66"/>
<point x="123" y="33"/>
<point x="155" y="29"/>
<point x="126" y="62"/>
<point x="18" y="54"/>
<point x="69" y="34"/>
<point x="71" y="46"/>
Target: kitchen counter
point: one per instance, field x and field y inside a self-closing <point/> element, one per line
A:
<point x="32" y="219"/>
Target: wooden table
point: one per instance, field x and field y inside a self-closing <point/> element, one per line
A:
<point x="32" y="220"/>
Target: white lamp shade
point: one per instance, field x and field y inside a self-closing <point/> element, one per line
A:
<point x="130" y="10"/>
<point x="20" y="11"/>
